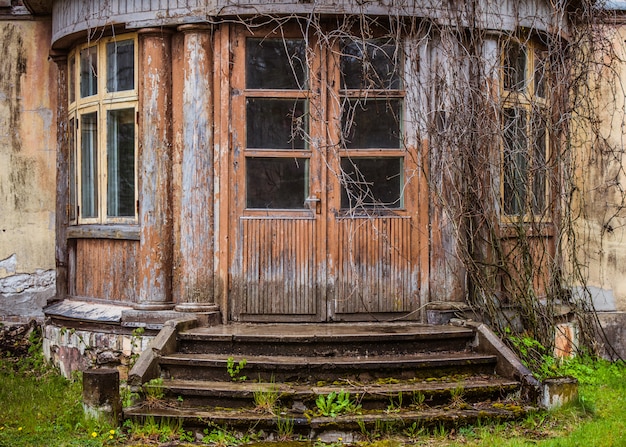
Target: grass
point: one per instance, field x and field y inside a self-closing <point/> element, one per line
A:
<point x="38" y="407"/>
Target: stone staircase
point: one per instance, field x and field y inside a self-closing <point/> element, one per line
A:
<point x="271" y="377"/>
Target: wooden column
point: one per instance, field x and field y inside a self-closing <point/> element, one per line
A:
<point x="197" y="229"/>
<point x="63" y="172"/>
<point x="155" y="170"/>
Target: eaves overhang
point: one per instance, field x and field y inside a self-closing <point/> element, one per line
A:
<point x="38" y="7"/>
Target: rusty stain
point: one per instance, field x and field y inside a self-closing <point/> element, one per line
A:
<point x="12" y="67"/>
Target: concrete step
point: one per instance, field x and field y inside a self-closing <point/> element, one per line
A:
<point x="374" y="395"/>
<point x="348" y="426"/>
<point x="325" y="340"/>
<point x="314" y="369"/>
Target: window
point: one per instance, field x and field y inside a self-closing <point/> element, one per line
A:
<point x="524" y="133"/>
<point x="102" y="125"/>
<point x="277" y="153"/>
<point x="372" y="110"/>
<point x="300" y="120"/>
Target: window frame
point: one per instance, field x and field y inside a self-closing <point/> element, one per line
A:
<point x="101" y="103"/>
<point x="305" y="93"/>
<point x="527" y="100"/>
<point x="348" y="95"/>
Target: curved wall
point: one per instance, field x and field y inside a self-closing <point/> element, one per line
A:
<point x="77" y="16"/>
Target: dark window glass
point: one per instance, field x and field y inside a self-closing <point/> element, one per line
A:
<point x="72" y="80"/>
<point x="371" y="182"/>
<point x="120" y="66"/>
<point x="121" y="163"/>
<point x="540" y="169"/>
<point x="370" y="64"/>
<point x="276" y="183"/>
<point x="372" y="123"/>
<point x="515" y="161"/>
<point x="89" y="165"/>
<point x="276" y="123"/>
<point x="72" y="166"/>
<point x="514" y="67"/>
<point x="276" y="64"/>
<point x="88" y="72"/>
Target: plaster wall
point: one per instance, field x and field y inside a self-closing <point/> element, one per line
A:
<point x="27" y="168"/>
<point x="601" y="220"/>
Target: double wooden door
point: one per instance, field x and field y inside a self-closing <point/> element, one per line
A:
<point x="324" y="191"/>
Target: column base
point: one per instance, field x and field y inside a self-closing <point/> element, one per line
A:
<point x="155" y="306"/>
<point x="197" y="307"/>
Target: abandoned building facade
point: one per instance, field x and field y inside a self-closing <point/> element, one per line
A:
<point x="297" y="161"/>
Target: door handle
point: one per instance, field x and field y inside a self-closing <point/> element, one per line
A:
<point x="314" y="203"/>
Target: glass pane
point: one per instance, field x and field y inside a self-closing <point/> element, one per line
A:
<point x="372" y="123"/>
<point x="72" y="165"/>
<point x="89" y="165"/>
<point x="514" y="67"/>
<point x="540" y="169"/>
<point x="88" y="72"/>
<point x="515" y="161"/>
<point x="72" y="80"/>
<point x="370" y="64"/>
<point x="276" y="64"/>
<point x="120" y="66"/>
<point x="540" y="74"/>
<point x="276" y="123"/>
<point x="371" y="182"/>
<point x="121" y="163"/>
<point x="276" y="183"/>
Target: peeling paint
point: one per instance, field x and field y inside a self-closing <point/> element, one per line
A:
<point x="9" y="264"/>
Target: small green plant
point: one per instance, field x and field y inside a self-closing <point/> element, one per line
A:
<point x="128" y="396"/>
<point x="284" y="427"/>
<point x="186" y="436"/>
<point x="395" y="405"/>
<point x="334" y="404"/>
<point x="154" y="392"/>
<point x="456" y="396"/>
<point x="418" y="399"/>
<point x="135" y="344"/>
<point x="161" y="429"/>
<point x="234" y="369"/>
<point x="414" y="431"/>
<point x="266" y="398"/>
<point x="219" y="437"/>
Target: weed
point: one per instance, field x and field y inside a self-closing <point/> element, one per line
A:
<point x="266" y="398"/>
<point x="414" y="431"/>
<point x="395" y="406"/>
<point x="128" y="396"/>
<point x="234" y="369"/>
<point x="334" y="404"/>
<point x="418" y="399"/>
<point x="154" y="393"/>
<point x="219" y="437"/>
<point x="456" y="397"/>
<point x="284" y="427"/>
<point x="161" y="430"/>
<point x="135" y="343"/>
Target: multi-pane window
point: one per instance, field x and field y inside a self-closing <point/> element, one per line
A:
<point x="524" y="134"/>
<point x="277" y="151"/>
<point x="371" y="121"/>
<point x="102" y="126"/>
<point x="285" y="120"/>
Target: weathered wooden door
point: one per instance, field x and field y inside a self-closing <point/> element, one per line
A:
<point x="324" y="221"/>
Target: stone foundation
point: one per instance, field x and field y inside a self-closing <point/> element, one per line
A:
<point x="81" y="349"/>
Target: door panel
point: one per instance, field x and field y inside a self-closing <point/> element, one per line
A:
<point x="280" y="267"/>
<point x="374" y="271"/>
